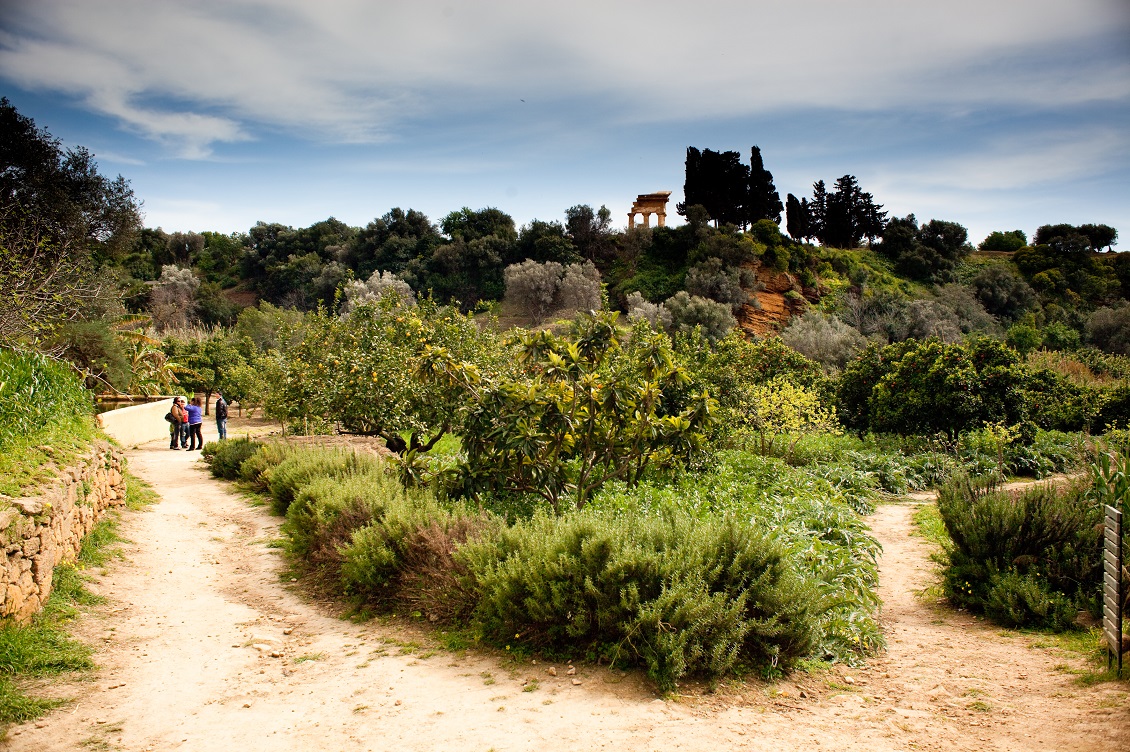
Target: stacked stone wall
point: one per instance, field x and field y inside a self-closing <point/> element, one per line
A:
<point x="40" y="532"/>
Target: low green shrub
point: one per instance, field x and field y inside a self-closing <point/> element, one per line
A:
<point x="288" y="476"/>
<point x="327" y="510"/>
<point x="1016" y="600"/>
<point x="256" y="470"/>
<point x="1026" y="558"/>
<point x="678" y="594"/>
<point x="408" y="555"/>
<point x="828" y="543"/>
<point x="225" y="458"/>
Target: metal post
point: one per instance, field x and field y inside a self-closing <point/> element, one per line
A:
<point x="1113" y="595"/>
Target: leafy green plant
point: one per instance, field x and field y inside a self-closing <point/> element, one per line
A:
<point x="289" y="475"/>
<point x="589" y="411"/>
<point x="36" y="392"/>
<point x="678" y="594"/>
<point x="1022" y="558"/>
<point x="225" y="458"/>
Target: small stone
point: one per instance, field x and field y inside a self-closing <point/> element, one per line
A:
<point x="288" y="630"/>
<point x="571" y="671"/>
<point x="551" y="671"/>
<point x="849" y="680"/>
<point x="246" y="704"/>
<point x="276" y="654"/>
<point x="397" y="702"/>
<point x="576" y="682"/>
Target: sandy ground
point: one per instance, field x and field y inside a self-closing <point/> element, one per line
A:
<point x="205" y="643"/>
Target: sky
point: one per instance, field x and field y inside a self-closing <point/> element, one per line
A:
<point x="998" y="114"/>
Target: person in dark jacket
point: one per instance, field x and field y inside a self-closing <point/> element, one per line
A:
<point x="195" y="412"/>
<point x="178" y="415"/>
<point x="221" y="416"/>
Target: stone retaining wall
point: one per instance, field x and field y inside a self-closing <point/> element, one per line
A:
<point x="37" y="533"/>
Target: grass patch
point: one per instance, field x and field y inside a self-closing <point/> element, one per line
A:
<point x="30" y="461"/>
<point x="42" y="648"/>
<point x="1087" y="645"/>
<point x="929" y="524"/>
<point x="139" y="494"/>
<point x="309" y="657"/>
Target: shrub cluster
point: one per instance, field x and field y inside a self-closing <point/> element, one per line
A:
<point x="747" y="579"/>
<point x="1023" y="559"/>
<point x="678" y="594"/>
<point x="225" y="458"/>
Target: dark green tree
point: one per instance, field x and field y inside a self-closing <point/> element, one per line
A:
<point x="60" y="222"/>
<point x="543" y="241"/>
<point x="930" y="252"/>
<point x="1100" y="236"/>
<point x="845" y="216"/>
<point x="590" y="231"/>
<point x="390" y="242"/>
<point x="762" y="201"/>
<point x="798" y="220"/>
<point x="1004" y="241"/>
<point x="468" y="225"/>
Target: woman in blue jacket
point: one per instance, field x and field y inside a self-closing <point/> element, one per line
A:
<point x="195" y="419"/>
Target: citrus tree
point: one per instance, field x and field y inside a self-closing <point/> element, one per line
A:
<point x="588" y="409"/>
<point x="363" y="370"/>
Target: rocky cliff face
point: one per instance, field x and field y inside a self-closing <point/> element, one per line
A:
<point x="39" y="532"/>
<point x="776" y="307"/>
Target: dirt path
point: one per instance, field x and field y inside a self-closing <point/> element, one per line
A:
<point x="204" y="644"/>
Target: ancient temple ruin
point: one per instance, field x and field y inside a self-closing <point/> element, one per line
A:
<point x="648" y="204"/>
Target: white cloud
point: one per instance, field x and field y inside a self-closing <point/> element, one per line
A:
<point x="1011" y="164"/>
<point x="192" y="75"/>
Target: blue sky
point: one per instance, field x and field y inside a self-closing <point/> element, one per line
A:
<point x="999" y="115"/>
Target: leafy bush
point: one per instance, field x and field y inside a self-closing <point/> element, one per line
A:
<point x="690" y="311"/>
<point x="369" y="370"/>
<point x="678" y="594"/>
<point x="1109" y="329"/>
<point x="931" y="387"/>
<point x="225" y="458"/>
<point x="588" y="410"/>
<point x="827" y="541"/>
<point x="1026" y="559"/>
<point x="256" y="470"/>
<point x="36" y="392"/>
<point x="410" y="554"/>
<point x="824" y="339"/>
<point x="539" y="289"/>
<point x="711" y="280"/>
<point x="288" y="476"/>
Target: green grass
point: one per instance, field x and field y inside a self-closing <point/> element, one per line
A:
<point x="28" y="461"/>
<point x="928" y="523"/>
<point x="44" y="647"/>
<point x="1087" y="645"/>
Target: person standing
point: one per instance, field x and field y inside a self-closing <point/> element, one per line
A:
<point x="175" y="424"/>
<point x="195" y="412"/>
<point x="183" y="435"/>
<point x="221" y="416"/>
